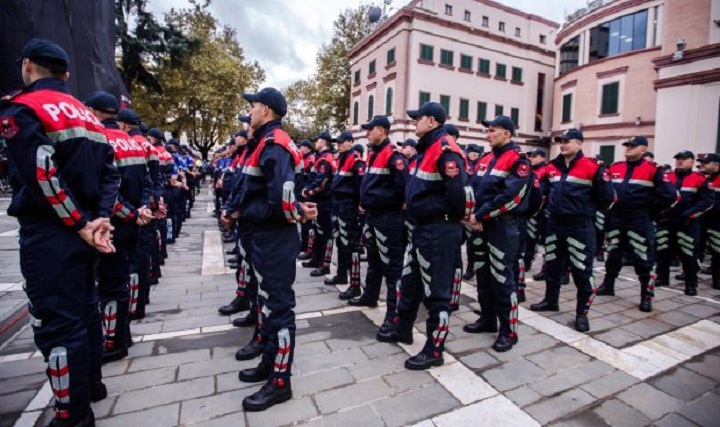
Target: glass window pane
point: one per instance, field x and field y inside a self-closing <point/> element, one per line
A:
<point x="371" y="106"/>
<point x="614" y="40"/>
<point x="640" y="30"/>
<point x="482" y="111"/>
<point x="626" y="33"/>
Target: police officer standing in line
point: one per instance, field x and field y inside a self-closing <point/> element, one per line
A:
<point x="502" y="182"/>
<point x="409" y="150"/>
<point x="642" y="188"/>
<point x="319" y="190"/>
<point x="157" y="138"/>
<point x="536" y="223"/>
<point x="346" y="199"/>
<point x="678" y="227"/>
<point x="473" y="156"/>
<point x="307" y="231"/>
<point x="63" y="204"/>
<point x="711" y="167"/>
<point x="453" y="134"/>
<point x="382" y="195"/>
<point x="436" y="196"/>
<point x="579" y="186"/>
<point x="267" y="202"/>
<point x="130" y="213"/>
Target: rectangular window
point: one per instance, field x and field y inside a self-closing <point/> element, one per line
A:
<point x="607" y="153"/>
<point x="371" y="68"/>
<point x="485" y="21"/>
<point x="390" y="56"/>
<point x="543" y="39"/>
<point x="515" y="116"/>
<point x="357" y="76"/>
<point x="484" y="66"/>
<point x="427" y="52"/>
<point x="424" y="97"/>
<point x="446" y="57"/>
<point x="467" y="16"/>
<point x="501" y="26"/>
<point x="517" y="74"/>
<point x="500" y="70"/>
<point x="610" y="93"/>
<point x="464" y="109"/>
<point x="499" y="110"/>
<point x="717" y="143"/>
<point x="445" y="102"/>
<point x="569" y="54"/>
<point x="356" y="112"/>
<point x="466" y="62"/>
<point x="481" y="111"/>
<point x="655" y="25"/>
<point x="567" y="108"/>
<point x="539" y="102"/>
<point x="620" y="35"/>
<point x="517" y="31"/>
<point x="448" y="9"/>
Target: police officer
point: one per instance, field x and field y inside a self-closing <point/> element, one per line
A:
<point x="382" y="195"/>
<point x="130" y="212"/>
<point x="642" y="188"/>
<point x="711" y="167"/>
<point x="346" y="199"/>
<point x="173" y="196"/>
<point x="409" y="150"/>
<point x="267" y="202"/>
<point x="678" y="227"/>
<point x="307" y="231"/>
<point x="437" y="198"/>
<point x="454" y="134"/>
<point x="157" y="138"/>
<point x="319" y="190"/>
<point x="502" y="181"/>
<point x="64" y="191"/>
<point x="536" y="223"/>
<point x="579" y="186"/>
<point x="473" y="156"/>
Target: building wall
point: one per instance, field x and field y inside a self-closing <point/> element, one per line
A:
<point x="687" y="20"/>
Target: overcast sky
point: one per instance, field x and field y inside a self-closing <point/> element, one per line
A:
<point x="286" y="43"/>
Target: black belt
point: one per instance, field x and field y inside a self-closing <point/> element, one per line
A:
<point x="437" y="219"/>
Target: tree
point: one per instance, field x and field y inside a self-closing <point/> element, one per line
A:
<point x="148" y="43"/>
<point x="323" y="98"/>
<point x="203" y="97"/>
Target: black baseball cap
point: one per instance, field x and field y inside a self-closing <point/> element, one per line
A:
<point x="102" y="101"/>
<point x="271" y="97"/>
<point x="344" y="137"/>
<point x="242" y="133"/>
<point x="306" y="143"/>
<point x="410" y="143"/>
<point x="649" y="154"/>
<point x="174" y="141"/>
<point x="538" y="152"/>
<point x="504" y="122"/>
<point x="638" y="140"/>
<point x="451" y="129"/>
<point x="570" y="134"/>
<point x="474" y="148"/>
<point x="684" y="155"/>
<point x="430" y="109"/>
<point x="712" y="157"/>
<point x="47" y="54"/>
<point x="129" y="116"/>
<point x="244" y="119"/>
<point x="157" y="134"/>
<point x="322" y="135"/>
<point x="377" y="121"/>
<point x="359" y="148"/>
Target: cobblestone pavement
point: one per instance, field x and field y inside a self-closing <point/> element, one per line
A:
<point x="632" y="369"/>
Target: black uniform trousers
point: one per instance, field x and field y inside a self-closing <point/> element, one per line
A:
<point x="573" y="238"/>
<point x="428" y="278"/>
<point x="535" y="237"/>
<point x="713" y="246"/>
<point x="273" y="257"/>
<point x="519" y="267"/>
<point x="383" y="241"/>
<point x="682" y="240"/>
<point x="324" y="233"/>
<point x="59" y="267"/>
<point x="140" y="276"/>
<point x="496" y="249"/>
<point x="345" y="212"/>
<point x="631" y="233"/>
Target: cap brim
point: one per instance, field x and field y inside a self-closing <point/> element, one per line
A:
<point x="367" y="126"/>
<point x="487" y="123"/>
<point x="414" y="114"/>
<point x="677" y="156"/>
<point x="626" y="143"/>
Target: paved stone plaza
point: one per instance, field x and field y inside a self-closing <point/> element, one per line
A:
<point x="632" y="369"/>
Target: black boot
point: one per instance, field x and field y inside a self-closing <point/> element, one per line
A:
<point x="337" y="279"/>
<point x="387" y="327"/>
<point x="237" y="305"/>
<point x="565" y="280"/>
<point x="359" y="302"/>
<point x="311" y="264"/>
<point x="540" y="276"/>
<point x="250" y="351"/>
<point x="98" y="392"/>
<point x="503" y="343"/>
<point x="690" y="290"/>
<point x="350" y="293"/>
<point x="582" y="324"/>
<point x="245" y="321"/>
<point x="272" y="393"/>
<point x="320" y="271"/>
<point x="114" y="354"/>
<point x="86" y="420"/>
<point x="521" y="295"/>
<point x="606" y="290"/>
<point x="646" y="304"/>
<point x="254" y="375"/>
<point x="469" y="274"/>
<point x="422" y="361"/>
<point x="545" y="306"/>
<point x="394" y="336"/>
<point x="680" y="277"/>
<point x="480" y="326"/>
<point x="304" y="256"/>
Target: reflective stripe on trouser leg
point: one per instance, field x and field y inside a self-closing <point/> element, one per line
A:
<point x="521" y="272"/>
<point x="59" y="376"/>
<point x="311" y="240"/>
<point x="134" y="292"/>
<point x="242" y="278"/>
<point x="262" y="296"/>
<point x="110" y="314"/>
<point x="457" y="284"/>
<point x="514" y="312"/>
<point x="440" y="333"/>
<point x="328" y="253"/>
<point x="355" y="270"/>
<point x="283" y="351"/>
<point x="593" y="292"/>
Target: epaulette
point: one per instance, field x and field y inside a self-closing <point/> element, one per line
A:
<point x="445" y="145"/>
<point x="7" y="98"/>
<point x="270" y="137"/>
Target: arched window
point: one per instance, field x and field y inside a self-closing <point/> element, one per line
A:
<point x="388" y="101"/>
<point x="356" y="112"/>
<point x="371" y="106"/>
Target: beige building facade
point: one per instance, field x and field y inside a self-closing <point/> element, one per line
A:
<point x="478" y="58"/>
